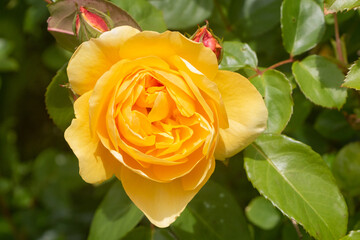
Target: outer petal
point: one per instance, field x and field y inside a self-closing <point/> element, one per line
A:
<point x="162" y="203"/>
<point x="168" y="44"/>
<point x="95" y="162"/>
<point x="246" y="111"/>
<point x="93" y="58"/>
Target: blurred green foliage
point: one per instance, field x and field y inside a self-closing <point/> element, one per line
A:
<point x="41" y="193"/>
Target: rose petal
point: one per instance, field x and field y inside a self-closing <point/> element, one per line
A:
<point x="202" y="87"/>
<point x="95" y="162"/>
<point x="246" y="111"/>
<point x="168" y="44"/>
<point x="162" y="203"/>
<point x="198" y="174"/>
<point x="93" y="58"/>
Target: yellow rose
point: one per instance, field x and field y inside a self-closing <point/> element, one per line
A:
<point x="155" y="111"/>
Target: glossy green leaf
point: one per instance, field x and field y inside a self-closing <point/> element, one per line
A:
<point x="333" y="125"/>
<point x="276" y="90"/>
<point x="353" y="235"/>
<point x="254" y="17"/>
<point x="182" y="14"/>
<point x="296" y="180"/>
<point x="352" y="79"/>
<point x="212" y="214"/>
<point x="340" y="5"/>
<point x="346" y="166"/>
<point x="57" y="99"/>
<point x="145" y="14"/>
<point x="262" y="213"/>
<point x="320" y="81"/>
<point x="237" y="55"/>
<point x="116" y="216"/>
<point x="302" y="25"/>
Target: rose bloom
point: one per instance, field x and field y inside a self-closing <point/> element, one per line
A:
<point x="155" y="111"/>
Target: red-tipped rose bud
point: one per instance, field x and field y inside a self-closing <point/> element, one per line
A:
<point x="90" y="23"/>
<point x="206" y="36"/>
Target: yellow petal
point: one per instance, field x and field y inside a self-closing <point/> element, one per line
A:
<point x="160" y="109"/>
<point x="198" y="174"/>
<point x="246" y="111"/>
<point x="162" y="203"/>
<point x="112" y="79"/>
<point x="93" y="58"/>
<point x="198" y="81"/>
<point x="95" y="161"/>
<point x="167" y="44"/>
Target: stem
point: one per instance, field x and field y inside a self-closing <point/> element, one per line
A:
<point x="258" y="72"/>
<point x="280" y="63"/>
<point x="48" y="1"/>
<point x="338" y="41"/>
<point x="297" y="228"/>
<point x="222" y="16"/>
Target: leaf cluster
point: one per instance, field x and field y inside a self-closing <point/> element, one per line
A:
<point x="305" y="168"/>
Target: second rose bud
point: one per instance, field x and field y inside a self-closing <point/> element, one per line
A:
<point x="205" y="35"/>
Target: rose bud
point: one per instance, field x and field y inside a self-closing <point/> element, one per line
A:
<point x="90" y="23"/>
<point x="207" y="37"/>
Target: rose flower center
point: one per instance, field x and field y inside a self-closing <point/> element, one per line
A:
<point x="157" y="114"/>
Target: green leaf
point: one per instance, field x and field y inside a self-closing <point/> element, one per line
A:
<point x="289" y="232"/>
<point x="6" y="47"/>
<point x="143" y="233"/>
<point x="302" y="109"/>
<point x="57" y="99"/>
<point x="320" y="81"/>
<point x="182" y="14"/>
<point x="353" y="235"/>
<point x="145" y="14"/>
<point x="254" y="17"/>
<point x="116" y="215"/>
<point x="302" y="25"/>
<point x="212" y="206"/>
<point x="8" y="65"/>
<point x="163" y="234"/>
<point x="237" y="55"/>
<point x="262" y="213"/>
<point x="332" y="124"/>
<point x="340" y="5"/>
<point x="352" y="79"/>
<point x="55" y="57"/>
<point x="346" y="167"/>
<point x="296" y="180"/>
<point x="276" y="90"/>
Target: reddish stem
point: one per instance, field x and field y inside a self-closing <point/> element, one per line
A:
<point x="338" y="41"/>
<point x="280" y="63"/>
<point x="259" y="72"/>
<point x="48" y="1"/>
